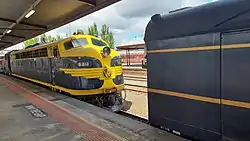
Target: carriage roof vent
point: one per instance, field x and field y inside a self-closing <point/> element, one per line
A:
<point x="177" y="10"/>
<point x="156" y="17"/>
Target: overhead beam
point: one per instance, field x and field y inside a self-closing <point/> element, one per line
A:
<point x="22" y="16"/>
<point x="32" y="29"/>
<point x="7" y="20"/>
<point x="89" y="2"/>
<point x="6" y="42"/>
<point x="23" y="23"/>
<point x="34" y="25"/>
<point x="16" y="36"/>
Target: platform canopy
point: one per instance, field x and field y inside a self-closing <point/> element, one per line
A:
<point x="131" y="47"/>
<point x="24" y="19"/>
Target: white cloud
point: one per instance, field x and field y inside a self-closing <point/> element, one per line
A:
<point x="126" y="18"/>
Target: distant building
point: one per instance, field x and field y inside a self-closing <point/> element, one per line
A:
<point x="132" y="54"/>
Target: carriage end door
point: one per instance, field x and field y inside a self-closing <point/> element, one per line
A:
<point x="235" y="85"/>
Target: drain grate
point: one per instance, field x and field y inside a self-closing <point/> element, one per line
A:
<point x="36" y="112"/>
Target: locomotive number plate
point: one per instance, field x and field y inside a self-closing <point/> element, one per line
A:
<point x="110" y="90"/>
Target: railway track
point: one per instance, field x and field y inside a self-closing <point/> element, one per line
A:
<point x="136" y="88"/>
<point x="136" y="71"/>
<point x="135" y="78"/>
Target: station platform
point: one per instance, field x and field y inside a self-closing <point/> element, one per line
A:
<point x="31" y="112"/>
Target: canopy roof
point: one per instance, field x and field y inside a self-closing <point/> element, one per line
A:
<point x="131" y="47"/>
<point x="49" y="14"/>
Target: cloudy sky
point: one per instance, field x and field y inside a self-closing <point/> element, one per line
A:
<point x="127" y="18"/>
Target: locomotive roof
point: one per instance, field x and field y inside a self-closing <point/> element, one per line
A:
<point x="212" y="17"/>
<point x="40" y="46"/>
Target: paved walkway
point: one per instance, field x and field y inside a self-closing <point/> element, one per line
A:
<point x="18" y="124"/>
<point x="31" y="112"/>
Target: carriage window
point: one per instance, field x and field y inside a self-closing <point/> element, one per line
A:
<point x="98" y="42"/>
<point x="55" y="52"/>
<point x="43" y="52"/>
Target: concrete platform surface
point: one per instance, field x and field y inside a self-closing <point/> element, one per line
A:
<point x="33" y="113"/>
<point x="18" y="124"/>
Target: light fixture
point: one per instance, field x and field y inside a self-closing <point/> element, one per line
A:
<point x="30" y="13"/>
<point x="9" y="31"/>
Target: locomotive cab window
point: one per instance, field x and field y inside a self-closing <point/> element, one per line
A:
<point x="80" y="42"/>
<point x="98" y="42"/>
<point x="75" y="43"/>
<point x="68" y="45"/>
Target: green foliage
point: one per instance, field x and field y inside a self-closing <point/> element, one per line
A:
<point x="31" y="41"/>
<point x="35" y="40"/>
<point x="92" y="30"/>
<point x="50" y="39"/>
<point x="58" y="37"/>
<point x="105" y="34"/>
<point x="43" y="36"/>
<point x="80" y="31"/>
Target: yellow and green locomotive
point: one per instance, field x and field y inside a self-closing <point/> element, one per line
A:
<point x="81" y="65"/>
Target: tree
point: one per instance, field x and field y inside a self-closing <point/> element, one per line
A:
<point x="50" y="39"/>
<point x="92" y="30"/>
<point x="31" y="41"/>
<point x="58" y="37"/>
<point x="80" y="31"/>
<point x="105" y="34"/>
<point x="43" y="39"/>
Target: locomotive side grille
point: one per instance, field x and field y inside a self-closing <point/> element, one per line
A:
<point x="87" y="73"/>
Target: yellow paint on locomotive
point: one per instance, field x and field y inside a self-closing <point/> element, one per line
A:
<point x="89" y="50"/>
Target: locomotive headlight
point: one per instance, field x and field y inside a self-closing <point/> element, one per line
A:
<point x="116" y="61"/>
<point x="106" y="51"/>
